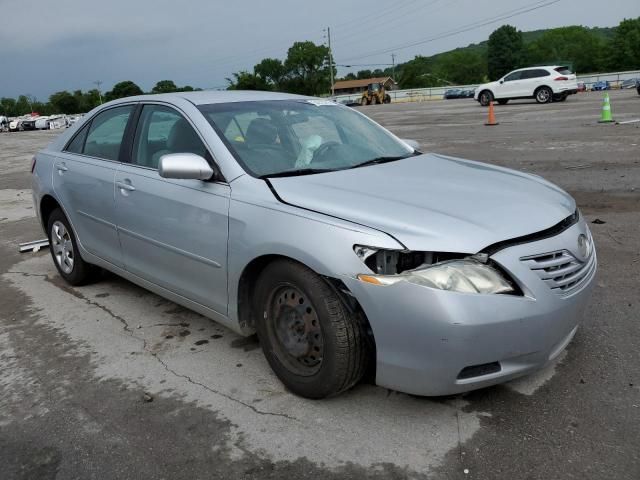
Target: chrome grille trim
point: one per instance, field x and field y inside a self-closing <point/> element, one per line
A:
<point x="561" y="270"/>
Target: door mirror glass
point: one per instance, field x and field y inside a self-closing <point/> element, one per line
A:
<point x="185" y="166"/>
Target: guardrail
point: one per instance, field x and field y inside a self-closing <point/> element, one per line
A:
<point x="615" y="80"/>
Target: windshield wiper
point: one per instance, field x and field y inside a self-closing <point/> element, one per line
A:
<point x="297" y="172"/>
<point x="378" y="160"/>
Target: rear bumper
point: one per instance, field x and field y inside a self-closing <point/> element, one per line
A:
<point x="432" y="342"/>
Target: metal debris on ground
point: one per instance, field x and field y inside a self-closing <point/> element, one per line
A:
<point x="34" y="246"/>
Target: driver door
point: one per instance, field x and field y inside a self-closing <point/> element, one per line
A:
<point x="511" y="86"/>
<point x="173" y="232"/>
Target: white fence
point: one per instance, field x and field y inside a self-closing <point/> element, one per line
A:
<point x="437" y="93"/>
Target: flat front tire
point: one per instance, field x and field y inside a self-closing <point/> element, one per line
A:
<point x="315" y="346"/>
<point x="63" y="246"/>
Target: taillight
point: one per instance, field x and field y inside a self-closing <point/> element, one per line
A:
<point x="561" y="78"/>
<point x="33" y="164"/>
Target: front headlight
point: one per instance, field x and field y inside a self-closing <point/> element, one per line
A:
<point x="465" y="276"/>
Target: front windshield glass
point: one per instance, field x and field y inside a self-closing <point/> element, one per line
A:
<point x="300" y="136"/>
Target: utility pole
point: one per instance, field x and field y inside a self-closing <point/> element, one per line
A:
<point x="393" y="62"/>
<point x="330" y="61"/>
<point x="97" y="83"/>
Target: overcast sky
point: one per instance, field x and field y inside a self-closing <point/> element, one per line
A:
<point x="47" y="46"/>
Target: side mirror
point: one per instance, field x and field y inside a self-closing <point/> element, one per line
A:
<point x="185" y="166"/>
<point x="412" y="143"/>
<point x="501" y="82"/>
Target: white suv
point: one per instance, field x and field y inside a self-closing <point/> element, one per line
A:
<point x="542" y="83"/>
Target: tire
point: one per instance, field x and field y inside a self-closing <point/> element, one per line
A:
<point x="503" y="101"/>
<point x="485" y="98"/>
<point x="63" y="246"/>
<point x="543" y="95"/>
<point x="363" y="101"/>
<point x="387" y="98"/>
<point x="311" y="341"/>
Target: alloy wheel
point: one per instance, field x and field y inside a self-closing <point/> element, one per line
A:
<point x="62" y="246"/>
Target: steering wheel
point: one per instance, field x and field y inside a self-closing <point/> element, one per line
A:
<point x="322" y="150"/>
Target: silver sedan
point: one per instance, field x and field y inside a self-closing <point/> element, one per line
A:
<point x="344" y="247"/>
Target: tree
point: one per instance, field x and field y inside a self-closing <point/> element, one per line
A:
<point x="272" y="71"/>
<point x="65" y="102"/>
<point x="362" y="74"/>
<point x="8" y="107"/>
<point x="164" y="86"/>
<point x="307" y="66"/>
<point x="350" y="76"/>
<point x="244" y="80"/>
<point x="625" y="46"/>
<point x="505" y="51"/>
<point x="461" y="67"/>
<point x="123" y="89"/>
<point x="580" y="46"/>
<point x="23" y="105"/>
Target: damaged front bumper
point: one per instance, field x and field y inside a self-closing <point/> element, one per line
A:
<point x="434" y="342"/>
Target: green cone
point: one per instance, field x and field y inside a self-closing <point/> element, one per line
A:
<point x="606" y="116"/>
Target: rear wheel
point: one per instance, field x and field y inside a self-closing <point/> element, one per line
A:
<point x="387" y="98"/>
<point x="503" y="101"/>
<point x="485" y="97"/>
<point x="64" y="250"/>
<point x="544" y="95"/>
<point x="315" y="346"/>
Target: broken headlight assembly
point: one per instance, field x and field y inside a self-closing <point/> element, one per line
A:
<point x="444" y="271"/>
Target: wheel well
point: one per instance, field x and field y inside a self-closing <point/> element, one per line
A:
<point x="542" y="86"/>
<point x="47" y="205"/>
<point x="247" y="316"/>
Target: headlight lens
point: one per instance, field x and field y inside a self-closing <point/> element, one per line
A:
<point x="465" y="276"/>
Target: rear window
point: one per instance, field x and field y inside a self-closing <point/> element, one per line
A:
<point x="563" y="70"/>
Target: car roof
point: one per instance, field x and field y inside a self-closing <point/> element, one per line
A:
<point x="552" y="67"/>
<point x="205" y="97"/>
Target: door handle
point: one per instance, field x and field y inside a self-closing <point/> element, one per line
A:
<point x="125" y="186"/>
<point x="61" y="167"/>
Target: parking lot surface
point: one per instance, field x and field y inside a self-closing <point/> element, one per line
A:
<point x="111" y="381"/>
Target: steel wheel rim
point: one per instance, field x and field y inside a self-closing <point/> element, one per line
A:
<point x="62" y="246"/>
<point x="294" y="331"/>
<point x="543" y="95"/>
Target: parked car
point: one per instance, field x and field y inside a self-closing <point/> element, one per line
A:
<point x="453" y="93"/>
<point x="582" y="87"/>
<point x="15" y="125"/>
<point x="343" y="246"/>
<point x="601" y="85"/>
<point x="469" y="93"/>
<point x="545" y="84"/>
<point x="630" y="83"/>
<point x="29" y="124"/>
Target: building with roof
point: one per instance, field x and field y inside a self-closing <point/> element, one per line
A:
<point x="346" y="87"/>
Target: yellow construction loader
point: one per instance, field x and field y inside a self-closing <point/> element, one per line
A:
<point x="375" y="94"/>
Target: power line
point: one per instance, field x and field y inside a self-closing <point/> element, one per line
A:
<point x="466" y="28"/>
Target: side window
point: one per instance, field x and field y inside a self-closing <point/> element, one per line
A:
<point x="77" y="144"/>
<point x="106" y="132"/>
<point x="536" y="73"/>
<point x="513" y="76"/>
<point x="162" y="130"/>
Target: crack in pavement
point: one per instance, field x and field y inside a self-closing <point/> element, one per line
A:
<point x="229" y="397"/>
<point x="127" y="328"/>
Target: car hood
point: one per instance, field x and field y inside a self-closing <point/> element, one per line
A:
<point x="434" y="203"/>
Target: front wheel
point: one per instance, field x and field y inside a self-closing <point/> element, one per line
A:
<point x="63" y="245"/>
<point x="544" y="95"/>
<point x="485" y="98"/>
<point x="315" y="346"/>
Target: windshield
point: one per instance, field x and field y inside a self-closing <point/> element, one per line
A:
<point x="300" y="136"/>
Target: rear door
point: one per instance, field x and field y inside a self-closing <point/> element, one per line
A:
<point x="173" y="232"/>
<point x="532" y="79"/>
<point x="83" y="179"/>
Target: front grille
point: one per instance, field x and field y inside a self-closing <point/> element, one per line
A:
<point x="561" y="270"/>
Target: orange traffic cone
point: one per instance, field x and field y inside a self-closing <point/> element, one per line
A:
<point x="492" y="117"/>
